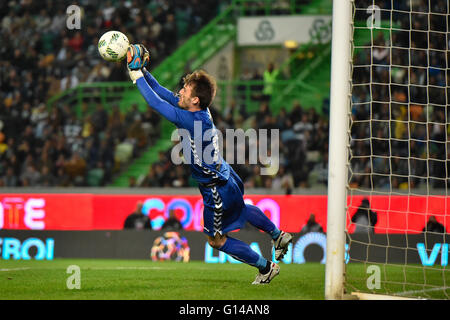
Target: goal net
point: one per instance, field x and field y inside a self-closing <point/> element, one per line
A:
<point x="397" y="212"/>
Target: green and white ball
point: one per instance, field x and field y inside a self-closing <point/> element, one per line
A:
<point x="113" y="46"/>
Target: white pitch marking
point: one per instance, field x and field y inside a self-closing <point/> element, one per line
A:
<point x="14" y="269"/>
<point x="131" y="268"/>
<point x="419" y="291"/>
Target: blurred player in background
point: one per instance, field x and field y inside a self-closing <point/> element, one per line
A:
<point x="221" y="188"/>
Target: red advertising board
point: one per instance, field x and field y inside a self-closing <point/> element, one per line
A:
<point x="396" y="214"/>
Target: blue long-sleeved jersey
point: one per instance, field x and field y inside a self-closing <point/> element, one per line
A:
<point x="199" y="135"/>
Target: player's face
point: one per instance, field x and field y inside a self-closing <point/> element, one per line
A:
<point x="184" y="94"/>
<point x="185" y="101"/>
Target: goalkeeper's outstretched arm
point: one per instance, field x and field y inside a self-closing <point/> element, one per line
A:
<point x="137" y="59"/>
<point x="156" y="96"/>
<point x="161" y="91"/>
<point x="163" y="107"/>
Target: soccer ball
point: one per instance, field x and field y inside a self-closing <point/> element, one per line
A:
<point x="113" y="46"/>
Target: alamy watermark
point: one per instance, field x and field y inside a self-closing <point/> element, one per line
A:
<point x="374" y="21"/>
<point x="374" y="280"/>
<point x="73" y="17"/>
<point x="74" y="280"/>
<point x="207" y="146"/>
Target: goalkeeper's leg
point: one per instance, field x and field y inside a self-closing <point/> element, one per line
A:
<point x="244" y="253"/>
<point x="280" y="239"/>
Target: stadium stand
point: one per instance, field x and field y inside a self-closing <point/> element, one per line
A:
<point x="60" y="146"/>
<point x="41" y="57"/>
<point x="401" y="95"/>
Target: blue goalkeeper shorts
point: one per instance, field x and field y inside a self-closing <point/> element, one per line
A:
<point x="224" y="207"/>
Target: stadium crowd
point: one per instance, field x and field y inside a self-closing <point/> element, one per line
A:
<point x="41" y="57"/>
<point x="400" y="85"/>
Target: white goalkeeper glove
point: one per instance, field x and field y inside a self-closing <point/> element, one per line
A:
<point x="135" y="74"/>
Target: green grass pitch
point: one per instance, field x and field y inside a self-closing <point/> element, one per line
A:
<point x="148" y="280"/>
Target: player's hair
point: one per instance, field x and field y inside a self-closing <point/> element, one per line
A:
<point x="203" y="86"/>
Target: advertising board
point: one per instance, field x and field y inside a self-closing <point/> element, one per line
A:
<point x="396" y="214"/>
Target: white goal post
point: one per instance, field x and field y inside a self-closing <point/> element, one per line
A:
<point x="337" y="168"/>
<point x="389" y="151"/>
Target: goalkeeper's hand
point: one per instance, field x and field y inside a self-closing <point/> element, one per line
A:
<point x="137" y="57"/>
<point x="135" y="74"/>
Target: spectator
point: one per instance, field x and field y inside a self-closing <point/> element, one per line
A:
<point x="136" y="134"/>
<point x="169" y="33"/>
<point x="138" y="220"/>
<point x="172" y="223"/>
<point x="10" y="178"/>
<point x="283" y="181"/>
<point x="31" y="176"/>
<point x="132" y="182"/>
<point x="62" y="179"/>
<point x="311" y="225"/>
<point x="262" y="114"/>
<point x="150" y="179"/>
<point x="364" y="218"/>
<point x="433" y="226"/>
<point x="76" y="42"/>
<point x="76" y="168"/>
<point x="99" y="118"/>
<point x="270" y="76"/>
<point x="47" y="179"/>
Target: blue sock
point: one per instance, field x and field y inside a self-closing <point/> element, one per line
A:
<point x="258" y="219"/>
<point x="244" y="253"/>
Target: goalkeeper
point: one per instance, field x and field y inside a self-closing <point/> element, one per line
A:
<point x="221" y="188"/>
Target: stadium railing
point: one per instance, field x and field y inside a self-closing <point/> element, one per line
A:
<point x="106" y="93"/>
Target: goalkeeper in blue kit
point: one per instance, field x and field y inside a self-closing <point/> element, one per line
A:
<point x="221" y="188"/>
